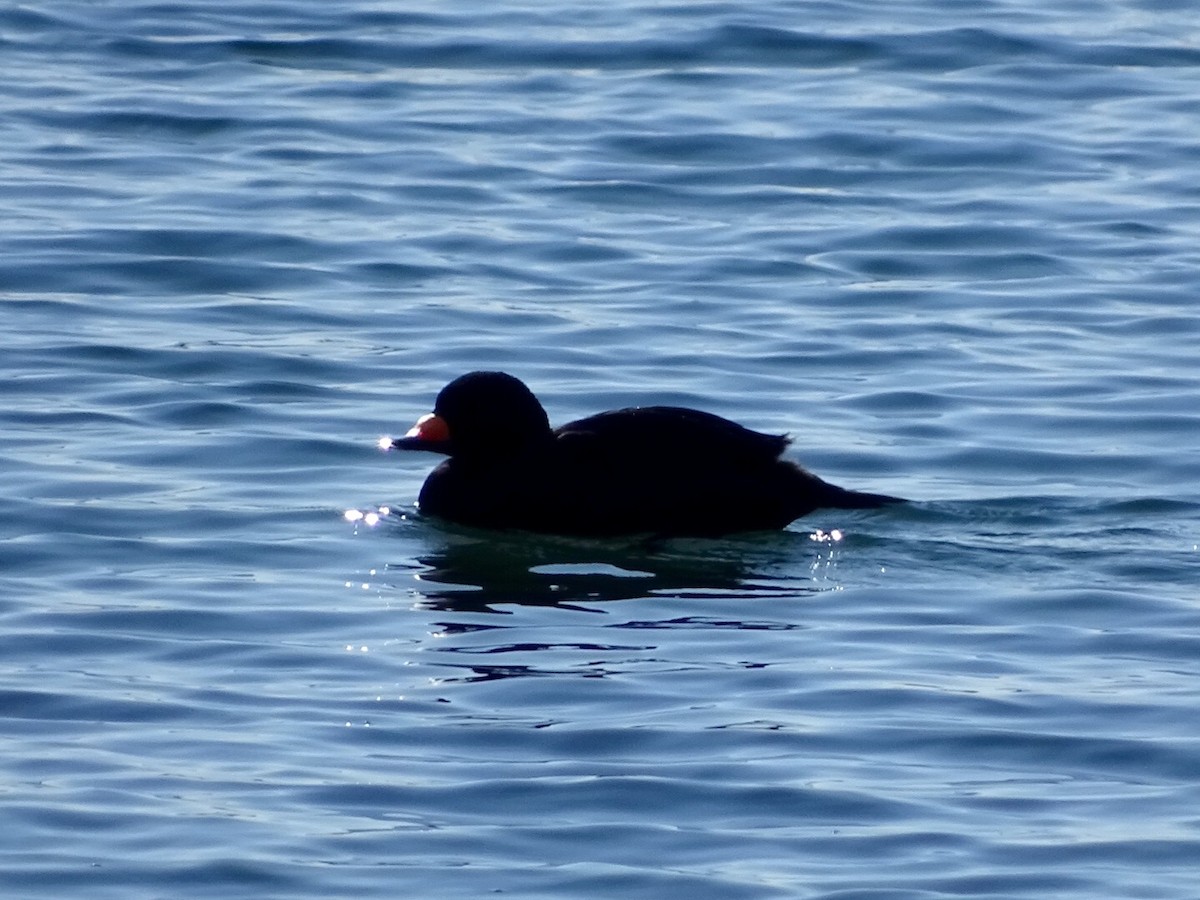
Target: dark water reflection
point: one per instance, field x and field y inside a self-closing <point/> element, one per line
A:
<point x="477" y="571"/>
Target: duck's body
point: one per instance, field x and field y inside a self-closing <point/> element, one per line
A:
<point x="660" y="470"/>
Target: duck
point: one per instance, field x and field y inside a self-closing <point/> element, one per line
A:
<point x="662" y="471"/>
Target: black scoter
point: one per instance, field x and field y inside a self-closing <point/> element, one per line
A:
<point x="659" y="470"/>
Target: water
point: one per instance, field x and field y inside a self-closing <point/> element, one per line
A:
<point x="950" y="247"/>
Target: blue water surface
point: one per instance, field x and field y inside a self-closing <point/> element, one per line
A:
<point x="951" y="248"/>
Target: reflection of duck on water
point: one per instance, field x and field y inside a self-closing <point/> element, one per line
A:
<point x="470" y="573"/>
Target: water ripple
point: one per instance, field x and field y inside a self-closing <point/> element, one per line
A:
<point x="952" y="255"/>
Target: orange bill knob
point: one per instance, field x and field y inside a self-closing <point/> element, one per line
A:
<point x="430" y="427"/>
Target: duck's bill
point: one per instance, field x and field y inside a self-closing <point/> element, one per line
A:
<point x="413" y="443"/>
<point x="430" y="433"/>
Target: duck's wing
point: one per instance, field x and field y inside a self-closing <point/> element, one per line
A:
<point x="666" y="432"/>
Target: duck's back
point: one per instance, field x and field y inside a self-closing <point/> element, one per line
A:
<point x="670" y="432"/>
<point x="668" y="470"/>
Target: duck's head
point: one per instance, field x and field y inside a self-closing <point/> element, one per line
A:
<point x="479" y="414"/>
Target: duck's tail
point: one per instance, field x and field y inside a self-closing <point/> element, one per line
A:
<point x="840" y="498"/>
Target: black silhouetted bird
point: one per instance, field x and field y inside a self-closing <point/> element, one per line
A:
<point x="659" y="470"/>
